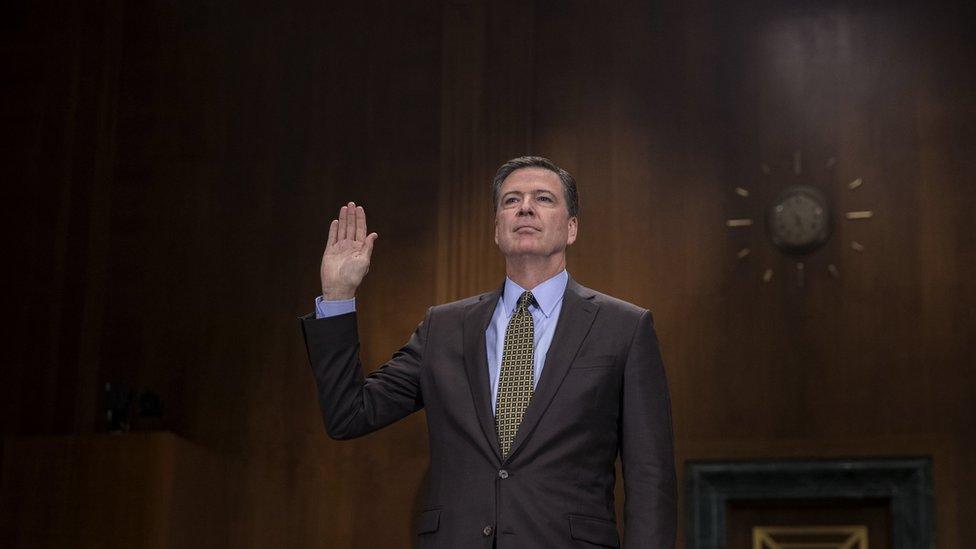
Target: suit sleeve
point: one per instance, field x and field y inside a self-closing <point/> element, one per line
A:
<point x="647" y="445"/>
<point x="352" y="405"/>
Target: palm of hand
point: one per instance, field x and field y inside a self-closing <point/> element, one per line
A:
<point x="346" y="261"/>
<point x="347" y="253"/>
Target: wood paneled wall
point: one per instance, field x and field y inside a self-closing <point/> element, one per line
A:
<point x="176" y="165"/>
<point x="240" y="130"/>
<point x="662" y="112"/>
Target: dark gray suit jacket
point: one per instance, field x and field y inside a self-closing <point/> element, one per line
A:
<point x="602" y="391"/>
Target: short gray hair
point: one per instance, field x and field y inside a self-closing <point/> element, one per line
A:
<point x="569" y="183"/>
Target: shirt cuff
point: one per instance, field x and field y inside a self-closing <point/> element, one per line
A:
<point x="325" y="309"/>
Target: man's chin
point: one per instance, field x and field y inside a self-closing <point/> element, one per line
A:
<point x="528" y="251"/>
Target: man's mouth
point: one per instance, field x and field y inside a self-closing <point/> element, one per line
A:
<point x="526" y="228"/>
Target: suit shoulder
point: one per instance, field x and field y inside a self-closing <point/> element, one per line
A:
<point x="615" y="304"/>
<point x="461" y="305"/>
<point x="620" y="305"/>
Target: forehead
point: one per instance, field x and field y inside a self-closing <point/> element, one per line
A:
<point x="531" y="179"/>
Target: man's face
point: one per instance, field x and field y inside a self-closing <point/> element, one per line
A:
<point x="532" y="217"/>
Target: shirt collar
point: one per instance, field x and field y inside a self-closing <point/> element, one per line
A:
<point x="547" y="294"/>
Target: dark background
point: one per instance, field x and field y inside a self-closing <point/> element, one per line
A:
<point x="171" y="168"/>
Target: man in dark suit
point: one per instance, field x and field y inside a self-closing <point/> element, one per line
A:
<point x="531" y="390"/>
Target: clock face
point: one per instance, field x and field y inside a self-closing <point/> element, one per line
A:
<point x="799" y="220"/>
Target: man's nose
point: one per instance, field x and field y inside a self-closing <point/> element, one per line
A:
<point x="525" y="208"/>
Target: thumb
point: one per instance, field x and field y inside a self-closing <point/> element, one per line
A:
<point x="369" y="243"/>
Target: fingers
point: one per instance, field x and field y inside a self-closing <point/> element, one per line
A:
<point x="333" y="233"/>
<point x="360" y="224"/>
<point x="351" y="224"/>
<point x="341" y="225"/>
<point x="350" y="211"/>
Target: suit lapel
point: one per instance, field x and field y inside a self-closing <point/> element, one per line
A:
<point x="574" y="323"/>
<point x="476" y="321"/>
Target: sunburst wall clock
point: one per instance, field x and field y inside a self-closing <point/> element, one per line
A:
<point x="798" y="221"/>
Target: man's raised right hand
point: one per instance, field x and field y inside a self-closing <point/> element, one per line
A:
<point x="347" y="253"/>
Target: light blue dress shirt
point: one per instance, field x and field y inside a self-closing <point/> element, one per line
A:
<point x="549" y="296"/>
<point x="325" y="309"/>
<point x="549" y="299"/>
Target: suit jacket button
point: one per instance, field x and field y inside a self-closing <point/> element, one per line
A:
<point x="503" y="474"/>
<point x="486" y="531"/>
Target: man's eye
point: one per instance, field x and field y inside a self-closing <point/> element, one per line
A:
<point x="545" y="198"/>
<point x="510" y="200"/>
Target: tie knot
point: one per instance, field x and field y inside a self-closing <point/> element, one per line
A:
<point x="524" y="301"/>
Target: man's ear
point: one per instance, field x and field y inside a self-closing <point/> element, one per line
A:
<point x="496" y="231"/>
<point x="571" y="236"/>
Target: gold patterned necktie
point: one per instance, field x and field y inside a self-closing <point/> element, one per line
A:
<point x="515" y="385"/>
